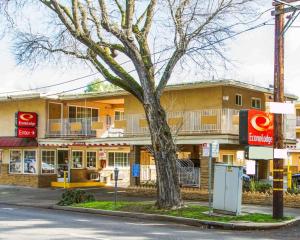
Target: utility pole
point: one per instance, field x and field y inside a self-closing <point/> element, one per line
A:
<point x="278" y="97"/>
<point x="280" y="29"/>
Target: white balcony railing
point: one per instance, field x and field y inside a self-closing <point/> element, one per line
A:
<point x="213" y="121"/>
<point x="298" y="121"/>
<point x="208" y="121"/>
<point x="83" y="127"/>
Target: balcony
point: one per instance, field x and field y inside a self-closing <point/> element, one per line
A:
<point x="186" y="123"/>
<point x="210" y="121"/>
<point x="82" y="128"/>
<point x="298" y="121"/>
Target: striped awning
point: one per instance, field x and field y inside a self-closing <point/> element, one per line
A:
<point x="6" y="142"/>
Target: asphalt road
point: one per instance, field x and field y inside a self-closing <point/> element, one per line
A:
<point x="22" y="223"/>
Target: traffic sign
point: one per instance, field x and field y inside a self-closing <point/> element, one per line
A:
<point x="205" y="152"/>
<point x="215" y="149"/>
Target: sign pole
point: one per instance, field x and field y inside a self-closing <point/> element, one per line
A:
<point x="278" y="97"/>
<point x="209" y="179"/>
<point x="116" y="171"/>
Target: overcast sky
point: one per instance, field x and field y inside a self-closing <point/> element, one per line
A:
<point x="252" y="54"/>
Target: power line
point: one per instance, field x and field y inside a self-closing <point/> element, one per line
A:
<point x="52" y="85"/>
<point x="218" y="41"/>
<point x="76" y="79"/>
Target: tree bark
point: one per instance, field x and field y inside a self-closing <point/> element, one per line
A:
<point x="164" y="150"/>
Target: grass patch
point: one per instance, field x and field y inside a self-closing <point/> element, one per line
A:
<point x="190" y="211"/>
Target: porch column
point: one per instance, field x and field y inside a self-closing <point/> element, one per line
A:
<point x="135" y="158"/>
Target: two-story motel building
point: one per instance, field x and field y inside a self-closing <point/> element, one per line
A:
<point x="90" y="134"/>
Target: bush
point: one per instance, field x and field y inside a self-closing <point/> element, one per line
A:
<point x="70" y="197"/>
<point x="257" y="186"/>
<point x="294" y="189"/>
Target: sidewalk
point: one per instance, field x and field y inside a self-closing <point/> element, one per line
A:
<point x="47" y="197"/>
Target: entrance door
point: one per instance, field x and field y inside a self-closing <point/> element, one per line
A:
<point x="62" y="164"/>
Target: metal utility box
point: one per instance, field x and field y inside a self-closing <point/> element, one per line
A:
<point x="228" y="181"/>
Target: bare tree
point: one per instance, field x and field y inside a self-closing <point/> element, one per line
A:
<point x="104" y="32"/>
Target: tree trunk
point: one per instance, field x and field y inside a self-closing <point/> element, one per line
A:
<point x="164" y="150"/>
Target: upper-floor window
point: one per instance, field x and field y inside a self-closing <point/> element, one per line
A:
<point x="119" y="115"/>
<point x="256" y="103"/>
<point x="76" y="112"/>
<point x="238" y="100"/>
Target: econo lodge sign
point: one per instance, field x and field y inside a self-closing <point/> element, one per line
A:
<point x="256" y="128"/>
<point x="26" y="119"/>
<point x="26" y="123"/>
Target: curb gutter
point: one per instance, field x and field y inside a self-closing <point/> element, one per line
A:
<point x="182" y="220"/>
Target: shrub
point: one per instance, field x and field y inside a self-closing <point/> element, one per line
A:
<point x="70" y="197"/>
<point x="258" y="186"/>
<point x="294" y="189"/>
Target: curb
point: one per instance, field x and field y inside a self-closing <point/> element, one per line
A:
<point x="182" y="220"/>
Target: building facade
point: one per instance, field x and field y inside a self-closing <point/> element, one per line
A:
<point x="88" y="135"/>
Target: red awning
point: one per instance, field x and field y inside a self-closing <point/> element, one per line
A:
<point x="17" y="142"/>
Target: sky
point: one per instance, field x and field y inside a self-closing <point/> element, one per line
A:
<point x="251" y="55"/>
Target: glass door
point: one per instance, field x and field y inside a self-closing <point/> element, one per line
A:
<point x="63" y="164"/>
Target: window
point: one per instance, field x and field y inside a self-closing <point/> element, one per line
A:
<point x="83" y="112"/>
<point x="238" y="100"/>
<point x="29" y="161"/>
<point x="118" y="159"/>
<point x="256" y="103"/>
<point x="15" y="164"/>
<point x="48" y="161"/>
<point x="228" y="158"/>
<point x="91" y="159"/>
<point x="119" y="115"/>
<point x="77" y="159"/>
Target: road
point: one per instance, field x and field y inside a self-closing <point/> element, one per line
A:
<point x="35" y="223"/>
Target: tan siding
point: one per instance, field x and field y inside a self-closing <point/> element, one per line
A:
<point x="8" y="110"/>
<point x="246" y="94"/>
<point x="183" y="100"/>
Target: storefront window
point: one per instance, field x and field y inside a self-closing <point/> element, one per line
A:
<point x="91" y="159"/>
<point x="48" y="161"/>
<point x="228" y="158"/>
<point x="118" y="159"/>
<point x="77" y="157"/>
<point x="29" y="161"/>
<point x="15" y="164"/>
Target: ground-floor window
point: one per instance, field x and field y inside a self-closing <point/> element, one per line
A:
<point x="48" y="161"/>
<point x="77" y="159"/>
<point x="91" y="159"/>
<point x="15" y="161"/>
<point x="118" y="159"/>
<point x="29" y="165"/>
<point x="227" y="158"/>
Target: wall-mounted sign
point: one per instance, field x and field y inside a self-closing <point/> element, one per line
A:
<point x="256" y="128"/>
<point x="136" y="170"/>
<point x="26" y="132"/>
<point x="258" y="153"/>
<point x="26" y="119"/>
